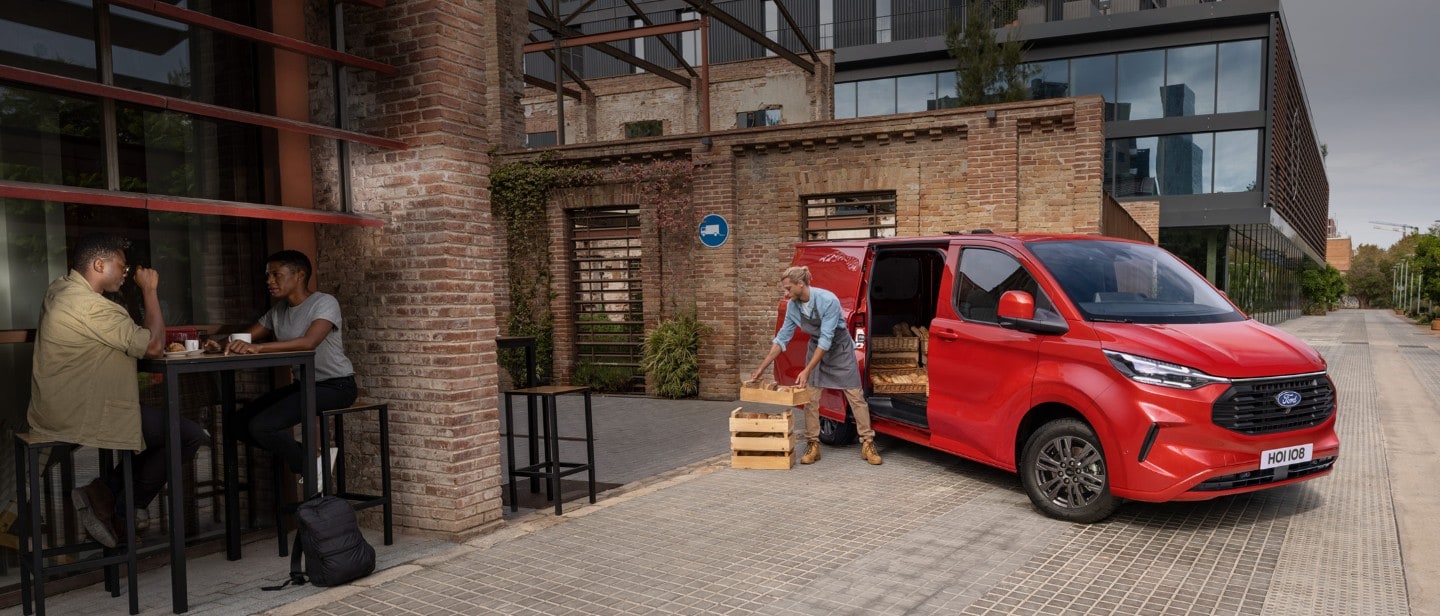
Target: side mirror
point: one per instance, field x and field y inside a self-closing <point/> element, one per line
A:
<point x="1017" y="305"/>
<point x="1017" y="311"/>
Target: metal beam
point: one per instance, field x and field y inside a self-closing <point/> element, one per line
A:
<point x="568" y="71"/>
<point x="784" y="12"/>
<point x="675" y="53"/>
<point x="577" y="12"/>
<point x="605" y="48"/>
<point x="610" y="37"/>
<point x="550" y="85"/>
<point x="707" y="8"/>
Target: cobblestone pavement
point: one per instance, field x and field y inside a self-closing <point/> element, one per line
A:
<point x="928" y="533"/>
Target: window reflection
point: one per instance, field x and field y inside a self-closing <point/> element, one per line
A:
<point x="1185" y="162"/>
<point x="163" y="57"/>
<point x="1241" y="74"/>
<point x="1135" y="164"/>
<point x="1237" y="160"/>
<point x="875" y="97"/>
<point x="915" y="93"/>
<point x="949" y="90"/>
<point x="844" y="100"/>
<point x="50" y="138"/>
<point x="1190" y="81"/>
<point x="1095" y="75"/>
<point x="1049" y="79"/>
<point x="1142" y="74"/>
<point x="51" y="37"/>
<point x="169" y="153"/>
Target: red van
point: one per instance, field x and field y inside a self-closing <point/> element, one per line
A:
<point x="1100" y="369"/>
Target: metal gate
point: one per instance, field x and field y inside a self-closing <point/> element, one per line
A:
<point x="609" y="319"/>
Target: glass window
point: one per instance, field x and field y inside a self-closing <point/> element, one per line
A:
<point x="947" y="92"/>
<point x="50" y="138"/>
<point x="1120" y="281"/>
<point x="848" y="216"/>
<point x="1095" y="75"/>
<point x="914" y="93"/>
<point x="844" y="100"/>
<point x="1241" y="75"/>
<point x="1185" y="164"/>
<point x="50" y="37"/>
<point x="540" y="140"/>
<point x="875" y="97"/>
<point x="168" y="153"/>
<point x="1049" y="79"/>
<point x="761" y="117"/>
<point x="1190" y="81"/>
<point x="1141" y="76"/>
<point x="985" y="275"/>
<point x="644" y="128"/>
<point x="1135" y="166"/>
<point x="882" y="21"/>
<point x="1237" y="158"/>
<point x="156" y="55"/>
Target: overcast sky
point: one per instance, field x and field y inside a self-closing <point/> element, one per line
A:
<point x="1372" y="75"/>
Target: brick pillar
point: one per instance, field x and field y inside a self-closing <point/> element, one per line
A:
<point x="418" y="293"/>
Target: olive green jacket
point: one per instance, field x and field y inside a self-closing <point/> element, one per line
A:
<point x="83" y="387"/>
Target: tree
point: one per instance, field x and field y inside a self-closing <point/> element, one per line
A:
<point x="1369" y="277"/>
<point x="1427" y="262"/>
<point x="1320" y="286"/>
<point x="987" y="71"/>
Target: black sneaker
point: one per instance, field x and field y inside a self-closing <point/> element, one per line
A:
<point x="96" y="521"/>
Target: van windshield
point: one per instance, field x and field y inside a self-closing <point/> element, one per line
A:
<point x="1131" y="283"/>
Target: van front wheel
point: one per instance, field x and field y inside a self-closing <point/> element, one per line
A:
<point x="1063" y="471"/>
<point x="835" y="433"/>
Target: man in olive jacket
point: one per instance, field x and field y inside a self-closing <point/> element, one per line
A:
<point x="83" y="387"/>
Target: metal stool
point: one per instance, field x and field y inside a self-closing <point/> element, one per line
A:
<point x="33" y="568"/>
<point x="383" y="500"/>
<point x="550" y="468"/>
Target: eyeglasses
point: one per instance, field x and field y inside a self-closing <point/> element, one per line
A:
<point x="127" y="268"/>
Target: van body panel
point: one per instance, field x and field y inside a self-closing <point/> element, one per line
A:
<point x="1241" y="349"/>
<point x="991" y="385"/>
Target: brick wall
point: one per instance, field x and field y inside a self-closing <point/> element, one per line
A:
<point x="1035" y="168"/>
<point x="418" y="293"/>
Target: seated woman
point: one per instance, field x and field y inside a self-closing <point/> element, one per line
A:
<point x="301" y="321"/>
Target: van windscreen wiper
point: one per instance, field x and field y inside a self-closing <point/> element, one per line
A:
<point x="1105" y="320"/>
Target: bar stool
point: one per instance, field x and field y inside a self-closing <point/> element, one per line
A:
<point x="33" y="568"/>
<point x="384" y="499"/>
<point x="550" y="468"/>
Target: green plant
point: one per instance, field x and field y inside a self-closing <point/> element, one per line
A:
<point x="987" y="71"/>
<point x="672" y="356"/>
<point x="1321" y="287"/>
<point x="602" y="377"/>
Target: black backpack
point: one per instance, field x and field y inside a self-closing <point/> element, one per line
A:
<point x="329" y="539"/>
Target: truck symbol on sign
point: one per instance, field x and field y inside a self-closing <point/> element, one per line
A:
<point x="709" y="230"/>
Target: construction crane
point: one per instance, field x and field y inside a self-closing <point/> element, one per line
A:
<point x="1403" y="228"/>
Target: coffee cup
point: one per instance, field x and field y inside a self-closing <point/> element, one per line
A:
<point x="240" y="337"/>
<point x="192" y="345"/>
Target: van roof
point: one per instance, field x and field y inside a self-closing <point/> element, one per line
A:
<point x="1008" y="237"/>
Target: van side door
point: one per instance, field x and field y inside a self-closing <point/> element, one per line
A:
<point x="980" y="372"/>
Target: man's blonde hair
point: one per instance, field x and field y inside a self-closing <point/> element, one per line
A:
<point x="798" y="273"/>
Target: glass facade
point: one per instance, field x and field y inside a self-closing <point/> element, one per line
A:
<point x="1187" y="164"/>
<point x="890" y="95"/>
<point x="1256" y="265"/>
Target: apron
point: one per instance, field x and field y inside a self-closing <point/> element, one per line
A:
<point x="837" y="369"/>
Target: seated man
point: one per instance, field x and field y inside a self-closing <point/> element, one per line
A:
<point x="83" y="388"/>
<point x="303" y="320"/>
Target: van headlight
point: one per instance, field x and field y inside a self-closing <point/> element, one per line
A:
<point x="1156" y="372"/>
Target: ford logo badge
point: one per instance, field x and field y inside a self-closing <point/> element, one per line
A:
<point x="1288" y="399"/>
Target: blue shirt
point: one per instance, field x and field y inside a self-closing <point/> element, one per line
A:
<point x="828" y="307"/>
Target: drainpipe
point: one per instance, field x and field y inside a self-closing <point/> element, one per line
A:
<point x="705" y="73"/>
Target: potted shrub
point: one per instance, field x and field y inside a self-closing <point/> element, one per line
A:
<point x="672" y="356"/>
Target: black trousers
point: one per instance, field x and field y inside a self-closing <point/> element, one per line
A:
<point x="267" y="421"/>
<point x="152" y="465"/>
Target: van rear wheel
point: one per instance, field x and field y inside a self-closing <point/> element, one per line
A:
<point x="1064" y="473"/>
<point x="835" y="433"/>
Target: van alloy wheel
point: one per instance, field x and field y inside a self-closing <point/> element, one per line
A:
<point x="1064" y="473"/>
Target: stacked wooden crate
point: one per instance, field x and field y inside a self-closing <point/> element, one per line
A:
<point x="761" y="440"/>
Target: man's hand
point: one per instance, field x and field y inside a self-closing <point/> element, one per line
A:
<point x="803" y="380"/>
<point x="240" y="347"/>
<point x="147" y="279"/>
<point x="756" y="375"/>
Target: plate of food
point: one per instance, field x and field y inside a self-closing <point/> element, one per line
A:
<point x="176" y="349"/>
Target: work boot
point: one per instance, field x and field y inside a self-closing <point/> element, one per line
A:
<point x="867" y="451"/>
<point x="95" y="506"/>
<point x="812" y="453"/>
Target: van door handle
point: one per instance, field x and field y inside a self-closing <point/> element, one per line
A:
<point x="945" y="334"/>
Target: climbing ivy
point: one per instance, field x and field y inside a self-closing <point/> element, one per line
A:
<point x="519" y="192"/>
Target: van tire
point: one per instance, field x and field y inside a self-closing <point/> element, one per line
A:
<point x="837" y="434"/>
<point x="1064" y="472"/>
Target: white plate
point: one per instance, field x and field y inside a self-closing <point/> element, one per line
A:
<point x="1271" y="458"/>
<point x="183" y="353"/>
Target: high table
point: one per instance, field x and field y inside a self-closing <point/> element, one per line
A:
<point x="172" y="366"/>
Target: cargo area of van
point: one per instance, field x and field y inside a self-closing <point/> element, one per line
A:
<point x="904" y="289"/>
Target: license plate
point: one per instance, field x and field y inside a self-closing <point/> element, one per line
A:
<point x="1283" y="456"/>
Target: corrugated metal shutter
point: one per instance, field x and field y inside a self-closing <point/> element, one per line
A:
<point x="854" y="23"/>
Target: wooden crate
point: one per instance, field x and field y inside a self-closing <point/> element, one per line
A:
<point x="762" y="442"/>
<point x="753" y="392"/>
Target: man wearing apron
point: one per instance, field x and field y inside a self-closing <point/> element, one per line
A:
<point x="830" y="359"/>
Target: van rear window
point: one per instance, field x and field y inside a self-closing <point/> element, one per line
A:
<point x="1131" y="283"/>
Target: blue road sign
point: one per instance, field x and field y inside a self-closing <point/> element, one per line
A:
<point x="714" y="230"/>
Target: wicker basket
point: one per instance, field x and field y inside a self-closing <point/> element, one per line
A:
<point x="895" y="360"/>
<point x="900" y="388"/>
<point x="886" y="344"/>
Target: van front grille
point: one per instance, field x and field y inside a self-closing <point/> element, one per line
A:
<point x="1261" y="477"/>
<point x="1252" y="407"/>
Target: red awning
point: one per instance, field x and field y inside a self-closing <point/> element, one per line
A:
<point x="163" y="203"/>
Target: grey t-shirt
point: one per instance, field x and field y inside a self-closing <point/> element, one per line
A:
<point x="290" y="322"/>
